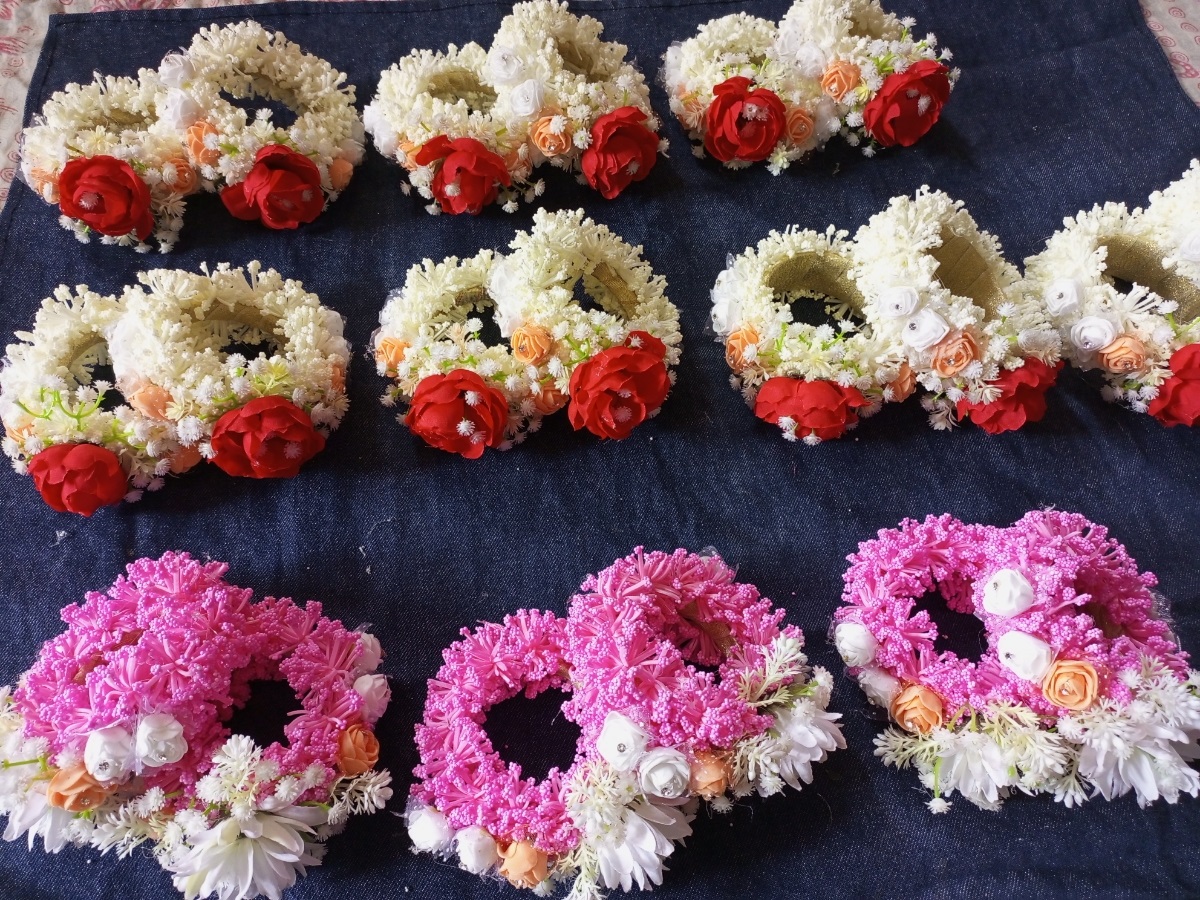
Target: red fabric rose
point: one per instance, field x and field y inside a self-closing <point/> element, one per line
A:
<point x="1022" y="398"/>
<point x="269" y="437"/>
<point x="623" y="150"/>
<point x="821" y="408"/>
<point x="78" y="478"/>
<point x="618" y="388"/>
<point x="908" y="104"/>
<point x="1178" y="400"/>
<point x="105" y="194"/>
<point x="741" y="123"/>
<point x="467" y="179"/>
<point x="282" y="190"/>
<point x="458" y="412"/>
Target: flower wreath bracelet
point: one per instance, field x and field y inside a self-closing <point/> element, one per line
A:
<point x="262" y="417"/>
<point x="756" y="724"/>
<point x="747" y="90"/>
<point x="812" y="381"/>
<point x="264" y="172"/>
<point x="114" y="167"/>
<point x="938" y="289"/>
<point x="1082" y="686"/>
<point x="611" y="366"/>
<point x="116" y="737"/>
<point x="470" y="803"/>
<point x="80" y="454"/>
<point x="1145" y="342"/>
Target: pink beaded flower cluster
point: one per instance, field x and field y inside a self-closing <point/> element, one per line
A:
<point x="117" y="735"/>
<point x="1081" y="688"/>
<point x="658" y="733"/>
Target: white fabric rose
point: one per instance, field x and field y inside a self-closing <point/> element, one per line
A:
<point x="880" y="687"/>
<point x="898" y="302"/>
<point x="855" y="644"/>
<point x="372" y="652"/>
<point x="159" y="740"/>
<point x="477" y="850"/>
<point x="726" y="303"/>
<point x="387" y="141"/>
<point x="664" y="772"/>
<point x="1092" y="333"/>
<point x="794" y="47"/>
<point x="1024" y="655"/>
<point x="527" y="98"/>
<point x="375" y="693"/>
<point x="925" y="329"/>
<point x="1062" y="297"/>
<point x="1189" y="247"/>
<point x="428" y="829"/>
<point x="176" y="70"/>
<point x="506" y="67"/>
<point x="180" y="111"/>
<point x="108" y="753"/>
<point x="621" y="743"/>
<point x="1008" y="593"/>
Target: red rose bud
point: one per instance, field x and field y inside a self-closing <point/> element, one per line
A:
<point x="105" y="194"/>
<point x="908" y="104"/>
<point x="1022" y="398"/>
<point x="623" y="150"/>
<point x="743" y="124"/>
<point x="269" y="437"/>
<point x="619" y="388"/>
<point x="282" y="190"/>
<point x="469" y="176"/>
<point x="821" y="409"/>
<point x="78" y="478"/>
<point x="458" y="412"/>
<point x="1178" y="400"/>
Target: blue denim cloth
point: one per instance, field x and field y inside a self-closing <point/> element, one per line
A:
<point x="1061" y="105"/>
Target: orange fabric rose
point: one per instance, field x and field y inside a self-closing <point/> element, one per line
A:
<point x="532" y="344"/>
<point x="917" y="709"/>
<point x="736" y="346"/>
<point x="840" y="78"/>
<point x="185" y="176"/>
<point x="549" y="142"/>
<point x="954" y="353"/>
<point x="200" y="152"/>
<point x="358" y="750"/>
<point x="710" y="774"/>
<point x="525" y="866"/>
<point x="75" y="790"/>
<point x="184" y="459"/>
<point x="40" y="180"/>
<point x="903" y="384"/>
<point x="799" y="125"/>
<point x="390" y="353"/>
<point x="337" y="377"/>
<point x="1124" y="354"/>
<point x="550" y="400"/>
<point x="18" y="434"/>
<point x="150" y="400"/>
<point x="340" y="171"/>
<point x="1071" y="684"/>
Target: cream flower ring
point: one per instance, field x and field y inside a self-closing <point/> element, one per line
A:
<point x="170" y="353"/>
<point x="534" y="290"/>
<point x="1143" y="340"/>
<point x="818" y="379"/>
<point x="103" y="154"/>
<point x="938" y="289"/>
<point x="432" y="327"/>
<point x="60" y="428"/>
<point x="319" y="150"/>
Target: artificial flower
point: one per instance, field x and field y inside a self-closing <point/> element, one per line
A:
<point x="106" y="194"/>
<point x="477" y="850"/>
<point x="1092" y="333"/>
<point x="524" y="865"/>
<point x="619" y="388"/>
<point x="468" y="175"/>
<point x="358" y="750"/>
<point x="954" y="353"/>
<point x="908" y="104"/>
<point x="1008" y="593"/>
<point x="839" y="78"/>
<point x="159" y="740"/>
<point x="1025" y="655"/>
<point x="1178" y="399"/>
<point x="1071" y="684"/>
<point x="738" y="353"/>
<point x="282" y="190"/>
<point x="78" y="478"/>
<point x="855" y="644"/>
<point x="743" y="123"/>
<point x="917" y="709"/>
<point x="269" y="437"/>
<point x="820" y="410"/>
<point x="1022" y="398"/>
<point x="621" y="743"/>
<point x="1125" y="354"/>
<point x="376" y="695"/>
<point x="710" y="774"/>
<point x="664" y="772"/>
<point x="76" y="790"/>
<point x="108" y="754"/>
<point x="458" y="412"/>
<point x="623" y="150"/>
<point x="924" y="329"/>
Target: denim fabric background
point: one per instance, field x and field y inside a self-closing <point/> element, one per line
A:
<point x="1060" y="105"/>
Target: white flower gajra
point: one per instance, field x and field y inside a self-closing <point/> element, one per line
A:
<point x="1141" y="340"/>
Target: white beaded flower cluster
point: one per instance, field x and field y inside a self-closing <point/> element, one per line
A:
<point x="120" y="156"/>
<point x="1137" y="338"/>
<point x="471" y="125"/>
<point x="747" y="90"/>
<point x="611" y="364"/>
<point x="920" y="296"/>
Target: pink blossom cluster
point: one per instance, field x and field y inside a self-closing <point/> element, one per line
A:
<point x="1092" y="604"/>
<point x="173" y="637"/>
<point x="460" y="773"/>
<point x="639" y="629"/>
